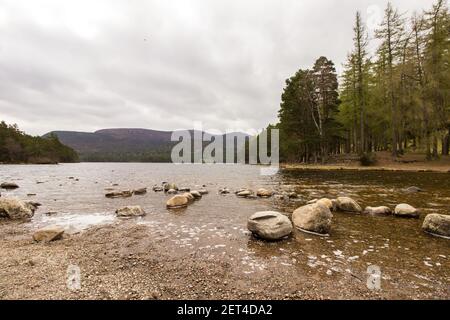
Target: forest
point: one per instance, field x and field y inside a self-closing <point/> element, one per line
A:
<point x="395" y="99"/>
<point x="18" y="147"/>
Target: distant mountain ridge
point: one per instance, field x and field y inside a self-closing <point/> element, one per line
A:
<point x="122" y="144"/>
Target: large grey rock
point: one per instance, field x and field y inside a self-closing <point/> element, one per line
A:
<point x="130" y="211"/>
<point x="47" y="234"/>
<point x="16" y="209"/>
<point x="314" y="217"/>
<point x="269" y="225"/>
<point x="406" y="211"/>
<point x="383" y="210"/>
<point x="437" y="224"/>
<point x="347" y="204"/>
<point x="177" y="201"/>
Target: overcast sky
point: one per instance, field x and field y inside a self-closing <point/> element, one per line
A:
<point x="165" y="64"/>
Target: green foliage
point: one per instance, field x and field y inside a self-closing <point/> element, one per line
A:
<point x="18" y="147"/>
<point x="308" y="126"/>
<point x="400" y="99"/>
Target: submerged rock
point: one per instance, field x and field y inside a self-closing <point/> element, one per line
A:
<point x="314" y="217"/>
<point x="347" y="204"/>
<point x="15" y="209"/>
<point x="177" y="202"/>
<point x="130" y="211"/>
<point x="47" y="234"/>
<point x="412" y="190"/>
<point x="172" y="191"/>
<point x="9" y="185"/>
<point x="184" y="189"/>
<point x="203" y="191"/>
<point x="437" y="224"/>
<point x="119" y="194"/>
<point x="264" y="193"/>
<point x="406" y="211"/>
<point x="157" y="189"/>
<point x="269" y="225"/>
<point x="383" y="210"/>
<point x="140" y="191"/>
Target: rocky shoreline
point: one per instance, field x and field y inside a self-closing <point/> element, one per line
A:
<point x="124" y="260"/>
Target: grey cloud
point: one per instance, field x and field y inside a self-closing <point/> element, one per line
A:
<point x="87" y="65"/>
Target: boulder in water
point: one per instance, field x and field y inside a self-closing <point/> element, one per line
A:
<point x="437" y="224"/>
<point x="314" y="218"/>
<point x="264" y="193"/>
<point x="119" y="194"/>
<point x="244" y="194"/>
<point x="177" y="201"/>
<point x="203" y="191"/>
<point x="140" y="191"/>
<point x="404" y="210"/>
<point x="130" y="211"/>
<point x="347" y="204"/>
<point x="269" y="225"/>
<point x="196" y="194"/>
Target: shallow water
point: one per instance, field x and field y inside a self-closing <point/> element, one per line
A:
<point x="215" y="226"/>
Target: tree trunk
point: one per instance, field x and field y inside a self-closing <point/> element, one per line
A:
<point x="446" y="144"/>
<point x="435" y="148"/>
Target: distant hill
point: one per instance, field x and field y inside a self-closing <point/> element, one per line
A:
<point x="122" y="145"/>
<point x="19" y="147"/>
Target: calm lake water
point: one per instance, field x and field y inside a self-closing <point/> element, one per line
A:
<point x="409" y="258"/>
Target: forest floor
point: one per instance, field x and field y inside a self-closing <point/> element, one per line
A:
<point x="409" y="162"/>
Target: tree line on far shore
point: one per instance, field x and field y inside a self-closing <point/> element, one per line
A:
<point x="396" y="100"/>
<point x="18" y="147"/>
